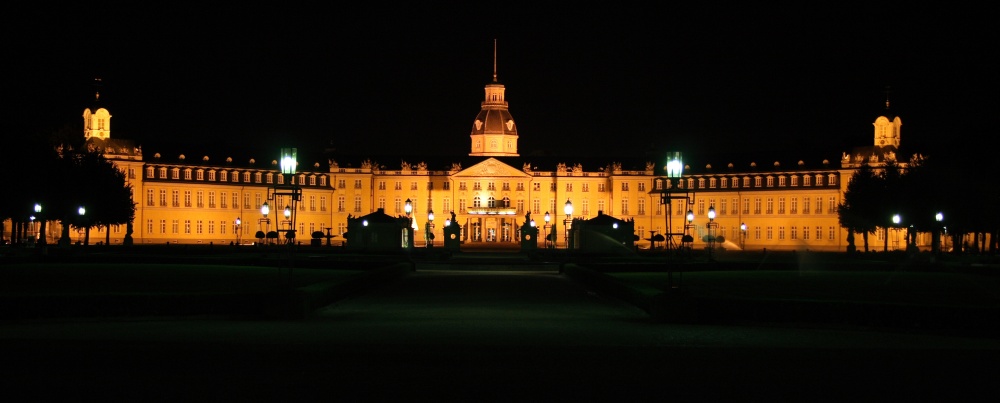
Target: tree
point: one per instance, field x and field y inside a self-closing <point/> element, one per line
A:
<point x="88" y="180"/>
<point x="857" y="212"/>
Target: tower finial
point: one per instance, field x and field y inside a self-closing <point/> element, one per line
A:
<point x="494" y="60"/>
<point x="887" y="97"/>
<point x="97" y="89"/>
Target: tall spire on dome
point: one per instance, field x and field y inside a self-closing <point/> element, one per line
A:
<point x="97" y="89"/>
<point x="494" y="133"/>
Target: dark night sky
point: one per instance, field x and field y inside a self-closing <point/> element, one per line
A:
<point x="627" y="81"/>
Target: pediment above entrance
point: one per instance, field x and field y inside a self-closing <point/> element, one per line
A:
<point x="491" y="167"/>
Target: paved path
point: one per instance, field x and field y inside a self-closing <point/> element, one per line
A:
<point x="461" y="335"/>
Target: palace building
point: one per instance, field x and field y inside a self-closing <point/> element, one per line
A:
<point x="201" y="199"/>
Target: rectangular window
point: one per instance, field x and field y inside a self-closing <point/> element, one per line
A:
<point x="770" y="205"/>
<point x="624" y="206"/>
<point x="322" y="203"/>
<point x="536" y="206"/>
<point x="819" y="232"/>
<point x="805" y="205"/>
<point x="770" y="233"/>
<point x="381" y="185"/>
<point x="642" y="186"/>
<point x="832" y="234"/>
<point x="600" y="187"/>
<point x="341" y="204"/>
<point x="642" y="207"/>
<point x="756" y="233"/>
<point x="187" y="226"/>
<point x="625" y="186"/>
<point x="795" y="205"/>
<point x="149" y="226"/>
<point x="831" y="207"/>
<point x="357" y="204"/>
<point x="781" y="232"/>
<point x="794" y="234"/>
<point x="149" y="197"/>
<point x="175" y="198"/>
<point x="163" y="227"/>
<point x="312" y="203"/>
<point x="781" y="205"/>
<point x="805" y="233"/>
<point x="447" y="186"/>
<point x="586" y="187"/>
<point x="781" y="181"/>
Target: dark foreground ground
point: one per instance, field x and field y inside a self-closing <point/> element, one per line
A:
<point x="481" y="327"/>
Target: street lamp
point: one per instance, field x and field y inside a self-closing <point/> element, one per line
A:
<point x="264" y="211"/>
<point x="40" y="234"/>
<point x="82" y="212"/>
<point x="238" y="230"/>
<point x="896" y="219"/>
<point x="711" y="236"/>
<point x="430" y="229"/>
<point x="936" y="242"/>
<point x="545" y="229"/>
<point x="291" y="229"/>
<point x="568" y="210"/>
<point x="743" y="236"/>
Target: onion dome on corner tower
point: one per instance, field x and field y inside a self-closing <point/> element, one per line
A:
<point x="96" y="119"/>
<point x="494" y="133"/>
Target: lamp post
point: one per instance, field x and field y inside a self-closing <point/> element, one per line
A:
<point x="743" y="236"/>
<point x="238" y="230"/>
<point x="711" y="236"/>
<point x="545" y="229"/>
<point x="936" y="242"/>
<point x="290" y="235"/>
<point x="83" y="212"/>
<point x="430" y="229"/>
<point x="264" y="211"/>
<point x="895" y="222"/>
<point x="568" y="210"/>
<point x="40" y="234"/>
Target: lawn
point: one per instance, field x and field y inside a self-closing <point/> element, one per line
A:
<point x="105" y="278"/>
<point x="920" y="288"/>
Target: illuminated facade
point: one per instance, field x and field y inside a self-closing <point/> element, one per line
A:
<point x="770" y="205"/>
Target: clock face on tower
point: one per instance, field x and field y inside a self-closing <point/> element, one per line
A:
<point x="882" y="142"/>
